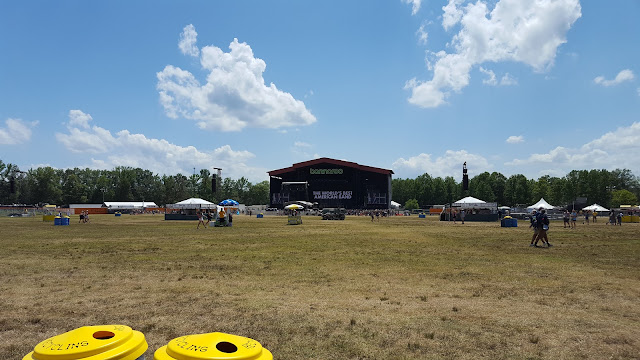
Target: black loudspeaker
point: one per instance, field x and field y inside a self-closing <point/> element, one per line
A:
<point x="12" y="185"/>
<point x="213" y="183"/>
<point x="465" y="177"/>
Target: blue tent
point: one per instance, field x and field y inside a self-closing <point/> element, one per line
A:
<point x="229" y="202"/>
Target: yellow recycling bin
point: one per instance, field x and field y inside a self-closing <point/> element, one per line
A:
<point x="213" y="346"/>
<point x="103" y="342"/>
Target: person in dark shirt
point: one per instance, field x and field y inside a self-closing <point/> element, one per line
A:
<point x="542" y="221"/>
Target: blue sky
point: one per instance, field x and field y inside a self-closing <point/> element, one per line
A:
<point x="531" y="87"/>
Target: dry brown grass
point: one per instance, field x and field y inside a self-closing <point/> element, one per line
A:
<point x="403" y="288"/>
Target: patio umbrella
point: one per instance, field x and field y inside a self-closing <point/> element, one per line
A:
<point x="294" y="207"/>
<point x="229" y="203"/>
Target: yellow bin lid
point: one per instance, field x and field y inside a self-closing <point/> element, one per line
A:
<point x="102" y="342"/>
<point x="212" y="346"/>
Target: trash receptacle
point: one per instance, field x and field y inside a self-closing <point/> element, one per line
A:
<point x="57" y="220"/>
<point x="212" y="346"/>
<point x="102" y="342"/>
<point x="64" y="221"/>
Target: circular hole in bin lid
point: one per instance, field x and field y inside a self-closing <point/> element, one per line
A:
<point x="103" y="335"/>
<point x="226" y="347"/>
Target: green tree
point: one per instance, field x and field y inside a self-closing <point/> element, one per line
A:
<point x="517" y="191"/>
<point x="45" y="185"/>
<point x="454" y="189"/>
<point x="480" y="187"/>
<point x="424" y="190"/>
<point x="440" y="193"/>
<point x="258" y="194"/>
<point x="498" y="182"/>
<point x="541" y="189"/>
<point x="411" y="204"/>
<point x="73" y="190"/>
<point x="623" y="197"/>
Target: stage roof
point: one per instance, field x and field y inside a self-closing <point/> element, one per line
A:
<point x="329" y="161"/>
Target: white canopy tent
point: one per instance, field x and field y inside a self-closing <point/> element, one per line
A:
<point x="469" y="200"/>
<point x="542" y="203"/>
<point x="123" y="205"/>
<point x="595" y="207"/>
<point x="193" y="203"/>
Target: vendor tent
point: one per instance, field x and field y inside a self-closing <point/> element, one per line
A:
<point x="541" y="204"/>
<point x="193" y="203"/>
<point x="125" y="205"/>
<point x="470" y="200"/>
<point x="595" y="207"/>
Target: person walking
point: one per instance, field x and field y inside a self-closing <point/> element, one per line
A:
<point x="454" y="214"/>
<point x="565" y="218"/>
<point x="586" y="217"/>
<point x="534" y="225"/>
<point x="462" y="215"/>
<point x="201" y="220"/>
<point x="542" y="221"/>
<point x="619" y="217"/>
<point x="574" y="218"/>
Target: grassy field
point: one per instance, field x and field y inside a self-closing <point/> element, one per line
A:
<point x="400" y="288"/>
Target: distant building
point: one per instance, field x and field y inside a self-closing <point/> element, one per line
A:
<point x="331" y="183"/>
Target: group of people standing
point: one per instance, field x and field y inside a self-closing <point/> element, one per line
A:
<point x="571" y="218"/>
<point x="84" y="217"/>
<point x="455" y="213"/>
<point x="207" y="216"/>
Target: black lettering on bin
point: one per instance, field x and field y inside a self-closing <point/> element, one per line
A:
<point x="103" y="335"/>
<point x="226" y="347"/>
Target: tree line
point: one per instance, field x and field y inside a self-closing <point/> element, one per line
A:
<point x="89" y="186"/>
<point x="607" y="188"/>
<point x="80" y="186"/>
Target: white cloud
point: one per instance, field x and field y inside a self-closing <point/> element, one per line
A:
<point x="78" y="118"/>
<point x="624" y="75"/>
<point x="415" y="5"/>
<point x="423" y="36"/>
<point x="16" y="132"/>
<point x="507" y="80"/>
<point x="609" y="151"/>
<point x="123" y="148"/>
<point x="515" y="139"/>
<point x="450" y="164"/>
<point x="451" y="14"/>
<point x="302" y="150"/>
<point x="188" y="40"/>
<point x="234" y="95"/>
<point x="529" y="32"/>
<point x="491" y="80"/>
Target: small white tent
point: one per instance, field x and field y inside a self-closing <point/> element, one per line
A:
<point x="542" y="203"/>
<point x="595" y="207"/>
<point x="469" y="200"/>
<point x="193" y="203"/>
